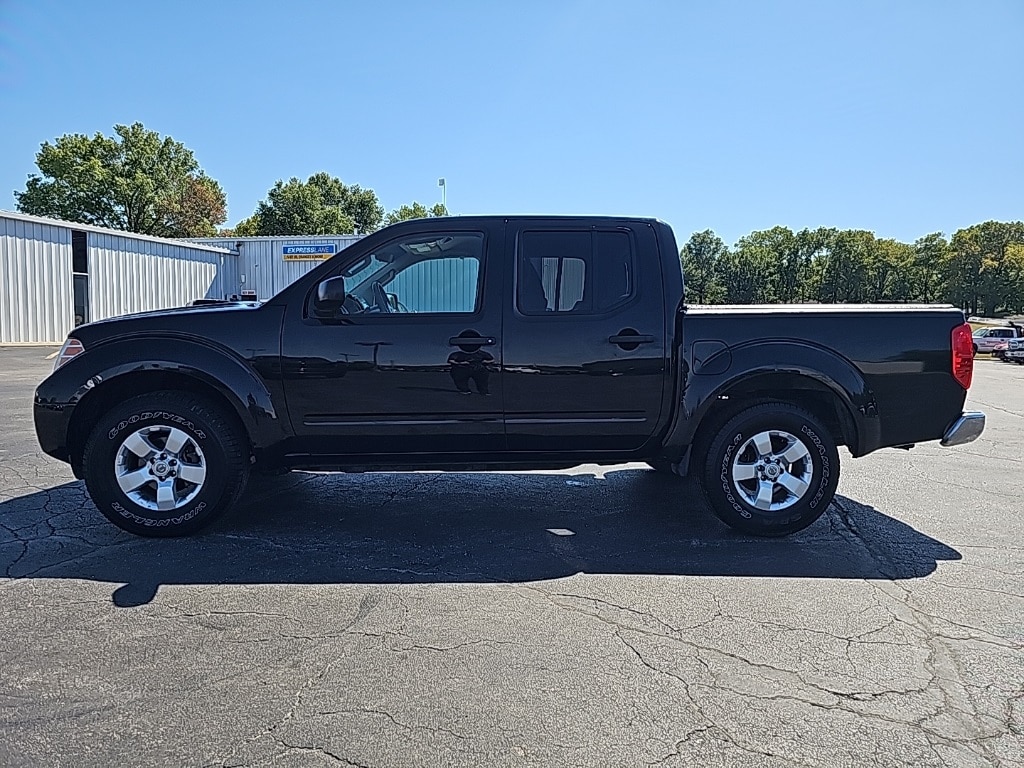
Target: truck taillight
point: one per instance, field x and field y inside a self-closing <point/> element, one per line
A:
<point x="963" y="355"/>
<point x="72" y="348"/>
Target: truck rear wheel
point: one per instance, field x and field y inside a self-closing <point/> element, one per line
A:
<point x="771" y="470"/>
<point x="165" y="464"/>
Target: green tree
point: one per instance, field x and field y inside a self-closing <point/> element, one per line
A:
<point x="812" y="244"/>
<point x="930" y="254"/>
<point x="415" y="211"/>
<point x="135" y="180"/>
<point x="249" y="227"/>
<point x="321" y="205"/>
<point x="1013" y="267"/>
<point x="782" y="258"/>
<point x="744" y="273"/>
<point x="701" y="257"/>
<point x="888" y="264"/>
<point x="840" y="271"/>
<point x="980" y="271"/>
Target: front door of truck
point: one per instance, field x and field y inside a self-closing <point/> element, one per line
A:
<point x="584" y="337"/>
<point x="405" y="359"/>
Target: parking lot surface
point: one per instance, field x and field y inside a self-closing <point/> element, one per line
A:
<point x="590" y="617"/>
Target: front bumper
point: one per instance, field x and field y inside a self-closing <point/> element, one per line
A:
<point x="51" y="422"/>
<point x="966" y="429"/>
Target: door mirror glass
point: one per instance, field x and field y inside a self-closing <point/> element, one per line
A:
<point x="330" y="297"/>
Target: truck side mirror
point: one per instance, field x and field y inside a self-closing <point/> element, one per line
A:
<point x="330" y="297"/>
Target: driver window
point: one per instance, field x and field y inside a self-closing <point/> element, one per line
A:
<point x="426" y="273"/>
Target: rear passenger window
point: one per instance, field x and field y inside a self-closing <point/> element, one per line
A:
<point x="582" y="272"/>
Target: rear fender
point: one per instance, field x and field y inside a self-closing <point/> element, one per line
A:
<point x="794" y="365"/>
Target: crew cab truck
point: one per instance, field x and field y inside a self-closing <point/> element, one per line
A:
<point x="496" y="343"/>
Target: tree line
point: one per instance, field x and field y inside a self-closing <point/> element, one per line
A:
<point x="140" y="181"/>
<point x="980" y="268"/>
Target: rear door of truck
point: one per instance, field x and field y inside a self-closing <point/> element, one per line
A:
<point x="584" y="335"/>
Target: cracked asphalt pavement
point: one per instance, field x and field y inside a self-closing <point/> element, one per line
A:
<point x="589" y="617"/>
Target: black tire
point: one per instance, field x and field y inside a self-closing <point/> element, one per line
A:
<point x="732" y="450"/>
<point x="975" y="348"/>
<point x="213" y="443"/>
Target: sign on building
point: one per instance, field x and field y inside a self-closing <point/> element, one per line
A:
<point x="310" y="252"/>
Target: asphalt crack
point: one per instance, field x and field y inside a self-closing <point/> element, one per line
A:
<point x="394" y="720"/>
<point x="322" y="751"/>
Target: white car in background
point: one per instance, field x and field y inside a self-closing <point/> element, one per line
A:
<point x="985" y="339"/>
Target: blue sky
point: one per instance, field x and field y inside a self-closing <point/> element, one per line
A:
<point x="899" y="116"/>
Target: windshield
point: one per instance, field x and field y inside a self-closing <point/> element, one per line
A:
<point x="362" y="269"/>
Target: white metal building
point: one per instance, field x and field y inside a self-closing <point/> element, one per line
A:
<point x="267" y="265"/>
<point x="56" y="274"/>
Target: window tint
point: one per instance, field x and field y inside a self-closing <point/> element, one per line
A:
<point x="438" y="285"/>
<point x="552" y="271"/>
<point x="579" y="272"/>
<point x="435" y="273"/>
<point x="613" y="265"/>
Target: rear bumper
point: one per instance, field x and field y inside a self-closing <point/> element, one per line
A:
<point x="965" y="429"/>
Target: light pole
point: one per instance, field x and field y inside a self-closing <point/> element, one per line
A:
<point x="444" y="194"/>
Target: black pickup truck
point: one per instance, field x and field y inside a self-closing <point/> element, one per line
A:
<point x="495" y="343"/>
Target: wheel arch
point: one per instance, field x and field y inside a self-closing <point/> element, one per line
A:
<point x="830" y="387"/>
<point x="823" y="400"/>
<point x="100" y="399"/>
<point x="187" y="367"/>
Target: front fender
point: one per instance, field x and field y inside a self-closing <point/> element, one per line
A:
<point x="218" y="368"/>
<point x="706" y="380"/>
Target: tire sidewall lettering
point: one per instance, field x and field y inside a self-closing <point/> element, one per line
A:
<point x="724" y="476"/>
<point x="826" y="472"/>
<point x="152" y="523"/>
<point x="156" y="416"/>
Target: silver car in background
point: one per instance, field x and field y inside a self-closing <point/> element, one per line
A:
<point x="1015" y="351"/>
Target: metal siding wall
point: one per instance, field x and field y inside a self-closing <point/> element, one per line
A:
<point x="262" y="259"/>
<point x="128" y="275"/>
<point x="36" y="303"/>
<point x="442" y="285"/>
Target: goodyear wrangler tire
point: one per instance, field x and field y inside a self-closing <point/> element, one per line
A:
<point x="771" y="470"/>
<point x="165" y="464"/>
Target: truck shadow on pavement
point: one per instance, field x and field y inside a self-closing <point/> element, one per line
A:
<point x="430" y="528"/>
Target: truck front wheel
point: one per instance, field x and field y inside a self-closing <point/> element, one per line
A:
<point x="165" y="464"/>
<point x="771" y="470"/>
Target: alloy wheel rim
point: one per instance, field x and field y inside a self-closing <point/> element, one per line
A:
<point x="160" y="468"/>
<point x="772" y="470"/>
